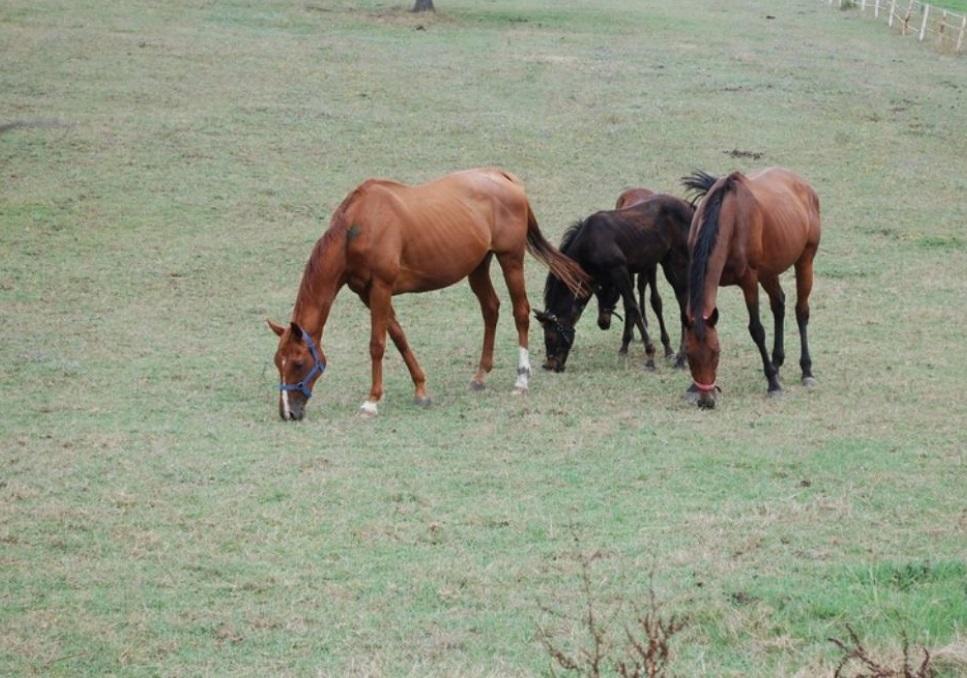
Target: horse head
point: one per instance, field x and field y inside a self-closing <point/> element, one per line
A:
<point x="300" y="363"/>
<point x="702" y="349"/>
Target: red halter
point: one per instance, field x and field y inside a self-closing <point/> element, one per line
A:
<point x="704" y="388"/>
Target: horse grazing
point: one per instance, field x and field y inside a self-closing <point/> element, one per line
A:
<point x="611" y="246"/>
<point x="388" y="238"/>
<point x="746" y="232"/>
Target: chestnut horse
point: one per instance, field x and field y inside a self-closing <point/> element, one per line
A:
<point x="746" y="232"/>
<point x="388" y="238"/>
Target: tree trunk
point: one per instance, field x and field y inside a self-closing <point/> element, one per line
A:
<point x="424" y="6"/>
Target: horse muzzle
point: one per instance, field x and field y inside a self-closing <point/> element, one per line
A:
<point x="552" y="364"/>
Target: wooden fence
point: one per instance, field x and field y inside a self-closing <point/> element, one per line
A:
<point x="928" y="23"/>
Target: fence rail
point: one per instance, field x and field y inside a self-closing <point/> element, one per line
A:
<point x="942" y="27"/>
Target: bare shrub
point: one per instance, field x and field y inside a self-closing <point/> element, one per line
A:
<point x="646" y="651"/>
<point x="866" y="666"/>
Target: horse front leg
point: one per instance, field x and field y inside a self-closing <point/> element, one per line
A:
<point x="642" y="283"/>
<point x="656" y="305"/>
<point x="628" y="333"/>
<point x="621" y="278"/>
<point x="512" y="265"/>
<point x="750" y="289"/>
<point x="381" y="312"/>
<point x="777" y="301"/>
<point x="676" y="271"/>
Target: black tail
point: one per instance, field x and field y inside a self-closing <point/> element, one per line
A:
<point x="705" y="242"/>
<point x="698" y="183"/>
<point x="562" y="266"/>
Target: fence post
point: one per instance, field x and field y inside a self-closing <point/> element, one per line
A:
<point x="960" y="40"/>
<point x="943" y="25"/>
<point x="923" y="25"/>
<point x="876" y="9"/>
<point x="863" y="6"/>
<point x="892" y="12"/>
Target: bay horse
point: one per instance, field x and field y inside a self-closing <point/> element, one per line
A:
<point x="610" y="246"/>
<point x="746" y="232"/>
<point x="389" y="238"/>
<point x="628" y="198"/>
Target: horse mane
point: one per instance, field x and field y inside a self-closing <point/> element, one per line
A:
<point x="708" y="218"/>
<point x="338" y="225"/>
<point x="554" y="286"/>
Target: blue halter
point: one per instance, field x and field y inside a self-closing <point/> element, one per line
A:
<point x="318" y="368"/>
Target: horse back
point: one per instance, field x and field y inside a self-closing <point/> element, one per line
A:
<point x="432" y="235"/>
<point x="785" y="219"/>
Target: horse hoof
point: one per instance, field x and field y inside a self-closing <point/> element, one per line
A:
<point x="425" y="401"/>
<point x="623" y="350"/>
<point x="669" y="353"/>
<point x="650" y="366"/>
<point x="477" y="385"/>
<point x="775" y="393"/>
<point x="809" y="382"/>
<point x="680" y="364"/>
<point x="518" y="391"/>
<point x="368" y="410"/>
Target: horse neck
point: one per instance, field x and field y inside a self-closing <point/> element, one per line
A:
<point x="322" y="279"/>
<point x="718" y="258"/>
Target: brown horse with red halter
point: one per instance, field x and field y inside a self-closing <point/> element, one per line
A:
<point x="746" y="232"/>
<point x="387" y="238"/>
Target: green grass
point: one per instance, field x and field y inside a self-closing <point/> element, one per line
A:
<point x="157" y="518"/>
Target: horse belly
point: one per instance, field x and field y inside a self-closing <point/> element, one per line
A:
<point x="423" y="269"/>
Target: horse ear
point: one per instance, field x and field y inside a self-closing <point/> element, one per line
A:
<point x="714" y="318"/>
<point x="296" y="331"/>
<point x="541" y="316"/>
<point x="278" y="329"/>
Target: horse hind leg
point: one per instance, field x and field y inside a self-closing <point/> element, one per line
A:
<point x="804" y="285"/>
<point x="490" y="309"/>
<point x="420" y="396"/>
<point x="512" y="265"/>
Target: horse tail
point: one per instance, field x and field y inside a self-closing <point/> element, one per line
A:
<point x="562" y="266"/>
<point x="708" y="217"/>
<point x="698" y="183"/>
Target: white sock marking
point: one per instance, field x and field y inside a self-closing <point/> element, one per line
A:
<point x="369" y="407"/>
<point x="523" y="369"/>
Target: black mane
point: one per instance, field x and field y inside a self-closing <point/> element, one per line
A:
<point x="554" y="289"/>
<point x="705" y="240"/>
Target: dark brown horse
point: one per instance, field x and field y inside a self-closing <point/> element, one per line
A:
<point x="746" y="232"/>
<point x="612" y="246"/>
<point x="388" y="238"/>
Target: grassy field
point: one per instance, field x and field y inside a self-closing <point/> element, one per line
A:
<point x="177" y="161"/>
